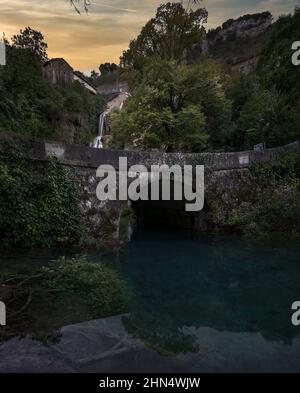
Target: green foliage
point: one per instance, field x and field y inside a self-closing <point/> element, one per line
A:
<point x="65" y="292"/>
<point x="281" y="78"/>
<point x="173" y="31"/>
<point x="275" y="68"/>
<point x="96" y="284"/>
<point x="41" y="109"/>
<point x="222" y="110"/>
<point x="33" y="40"/>
<point x="24" y="103"/>
<point x="260" y="118"/>
<point x="271" y="211"/>
<point x="175" y="107"/>
<point x="286" y="168"/>
<point x="106" y="78"/>
<point x="265" y="106"/>
<point x="259" y="114"/>
<point x="37" y="209"/>
<point x="274" y="203"/>
<point x="78" y="121"/>
<point x="108" y="68"/>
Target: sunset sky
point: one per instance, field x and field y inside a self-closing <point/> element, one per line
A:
<point x="85" y="41"/>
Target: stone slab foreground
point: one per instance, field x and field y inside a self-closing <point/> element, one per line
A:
<point x="104" y="346"/>
<point x="98" y="346"/>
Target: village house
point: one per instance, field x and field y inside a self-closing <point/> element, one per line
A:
<point x="115" y="101"/>
<point x="60" y="72"/>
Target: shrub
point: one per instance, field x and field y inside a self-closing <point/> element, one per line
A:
<point x="96" y="284"/>
<point x="274" y="204"/>
<point x="37" y="207"/>
<point x="65" y="292"/>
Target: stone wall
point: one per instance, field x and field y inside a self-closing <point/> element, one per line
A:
<point x="225" y="175"/>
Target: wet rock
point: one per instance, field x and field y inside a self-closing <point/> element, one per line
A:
<point x="25" y="355"/>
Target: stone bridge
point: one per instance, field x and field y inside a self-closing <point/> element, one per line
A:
<point x="226" y="175"/>
<point x="86" y="157"/>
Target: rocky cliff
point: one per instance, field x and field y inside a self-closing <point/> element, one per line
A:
<point x="238" y="42"/>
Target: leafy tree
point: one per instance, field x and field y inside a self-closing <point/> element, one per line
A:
<point x="169" y="35"/>
<point x="94" y="75"/>
<point x="275" y="68"/>
<point x="175" y="107"/>
<point x="33" y="40"/>
<point x="261" y="118"/>
<point x="107" y="68"/>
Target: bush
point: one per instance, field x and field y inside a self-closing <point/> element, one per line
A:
<point x="272" y="211"/>
<point x="67" y="291"/>
<point x="274" y="204"/>
<point x="96" y="284"/>
<point x="37" y="207"/>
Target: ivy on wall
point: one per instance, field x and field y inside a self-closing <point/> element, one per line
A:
<point x="38" y="206"/>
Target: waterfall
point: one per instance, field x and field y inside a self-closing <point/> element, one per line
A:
<point x="102" y="124"/>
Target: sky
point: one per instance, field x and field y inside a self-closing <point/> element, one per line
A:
<point x="86" y="41"/>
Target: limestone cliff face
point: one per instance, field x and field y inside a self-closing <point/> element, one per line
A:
<point x="245" y="26"/>
<point x="238" y="42"/>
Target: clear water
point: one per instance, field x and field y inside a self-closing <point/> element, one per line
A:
<point x="222" y="301"/>
<point x="179" y="283"/>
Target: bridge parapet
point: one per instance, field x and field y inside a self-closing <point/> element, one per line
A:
<point x="77" y="155"/>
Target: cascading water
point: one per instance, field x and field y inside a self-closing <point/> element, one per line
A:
<point x="102" y="124"/>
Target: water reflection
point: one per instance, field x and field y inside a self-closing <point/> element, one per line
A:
<point x="226" y="283"/>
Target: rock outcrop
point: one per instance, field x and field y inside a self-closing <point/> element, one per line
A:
<point x="238" y="42"/>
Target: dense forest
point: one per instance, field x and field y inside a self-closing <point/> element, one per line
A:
<point x="33" y="106"/>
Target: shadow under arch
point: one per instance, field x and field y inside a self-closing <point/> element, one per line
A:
<point x="166" y="213"/>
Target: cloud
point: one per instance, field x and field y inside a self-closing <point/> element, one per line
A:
<point x="88" y="40"/>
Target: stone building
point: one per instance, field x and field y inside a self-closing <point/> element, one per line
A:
<point x="60" y="72"/>
<point x="116" y="100"/>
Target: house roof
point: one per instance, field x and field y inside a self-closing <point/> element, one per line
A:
<point x="114" y="95"/>
<point x="57" y="59"/>
<point x="79" y="75"/>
